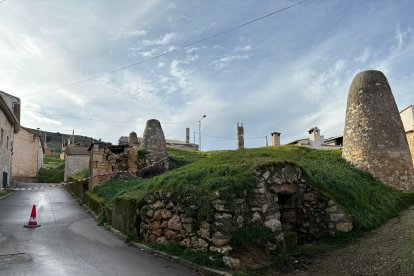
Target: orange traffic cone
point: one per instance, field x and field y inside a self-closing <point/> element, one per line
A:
<point x="32" y="221"/>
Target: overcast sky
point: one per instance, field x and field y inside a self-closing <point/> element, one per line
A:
<point x="286" y="73"/>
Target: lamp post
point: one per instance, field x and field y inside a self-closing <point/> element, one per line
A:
<point x="199" y="132"/>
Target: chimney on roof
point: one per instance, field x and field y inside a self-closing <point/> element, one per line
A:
<point x="275" y="139"/>
<point x="315" y="138"/>
<point x="240" y="136"/>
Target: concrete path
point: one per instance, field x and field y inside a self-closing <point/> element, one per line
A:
<point x="388" y="250"/>
<point x="69" y="242"/>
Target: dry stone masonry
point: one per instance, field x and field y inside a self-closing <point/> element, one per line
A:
<point x="282" y="201"/>
<point x="105" y="159"/>
<point x="153" y="141"/>
<point x="410" y="139"/>
<point x="374" y="137"/>
<point x="153" y="138"/>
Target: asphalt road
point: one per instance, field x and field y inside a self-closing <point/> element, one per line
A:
<point x="69" y="242"/>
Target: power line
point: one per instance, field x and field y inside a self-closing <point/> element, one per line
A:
<point x="105" y="121"/>
<point x="170" y="51"/>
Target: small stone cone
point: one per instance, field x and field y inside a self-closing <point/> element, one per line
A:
<point x="32" y="220"/>
<point x="374" y="136"/>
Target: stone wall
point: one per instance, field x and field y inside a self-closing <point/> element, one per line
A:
<point x="106" y="159"/>
<point x="374" y="137"/>
<point x="27" y="155"/>
<point x="282" y="201"/>
<point x="6" y="136"/>
<point x="410" y="139"/>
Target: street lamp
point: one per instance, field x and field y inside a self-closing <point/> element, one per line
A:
<point x="199" y="132"/>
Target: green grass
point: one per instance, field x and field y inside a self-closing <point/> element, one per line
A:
<point x="81" y="175"/>
<point x="368" y="201"/>
<point x="251" y="234"/>
<point x="180" y="157"/>
<point x="50" y="162"/>
<point x="52" y="171"/>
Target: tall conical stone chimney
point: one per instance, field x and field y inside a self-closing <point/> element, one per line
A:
<point x="374" y="137"/>
<point x="153" y="138"/>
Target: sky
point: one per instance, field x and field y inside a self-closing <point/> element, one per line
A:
<point x="287" y="73"/>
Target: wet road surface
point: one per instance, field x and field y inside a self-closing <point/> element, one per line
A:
<point x="69" y="242"/>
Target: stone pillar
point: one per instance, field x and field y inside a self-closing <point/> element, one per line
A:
<point x="240" y="136"/>
<point x="133" y="139"/>
<point x="374" y="137"/>
<point x="132" y="159"/>
<point x="275" y="139"/>
<point x="187" y="135"/>
<point x="99" y="167"/>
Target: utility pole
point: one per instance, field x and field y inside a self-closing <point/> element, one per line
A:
<point x="266" y="142"/>
<point x="199" y="132"/>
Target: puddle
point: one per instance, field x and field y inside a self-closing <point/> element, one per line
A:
<point x="15" y="258"/>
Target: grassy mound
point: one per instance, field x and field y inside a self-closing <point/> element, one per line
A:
<point x="367" y="200"/>
<point x="53" y="170"/>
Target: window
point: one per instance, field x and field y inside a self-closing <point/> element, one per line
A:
<point x="7" y="145"/>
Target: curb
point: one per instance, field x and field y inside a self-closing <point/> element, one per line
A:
<point x="150" y="250"/>
<point x="6" y="195"/>
<point x="142" y="247"/>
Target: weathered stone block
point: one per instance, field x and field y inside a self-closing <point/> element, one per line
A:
<point x="219" y="239"/>
<point x="273" y="225"/>
<point x="174" y="223"/>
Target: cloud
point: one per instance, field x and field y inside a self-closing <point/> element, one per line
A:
<point x="150" y="53"/>
<point x="223" y="62"/>
<point x="162" y="40"/>
<point x="364" y="56"/>
<point x="180" y="75"/>
<point x="243" y="49"/>
<point x="195" y="49"/>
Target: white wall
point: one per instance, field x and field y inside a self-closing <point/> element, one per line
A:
<point x="407" y="117"/>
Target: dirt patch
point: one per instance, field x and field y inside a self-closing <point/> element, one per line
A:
<point x="388" y="250"/>
<point x="252" y="256"/>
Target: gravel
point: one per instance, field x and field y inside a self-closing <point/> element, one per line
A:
<point x="388" y="250"/>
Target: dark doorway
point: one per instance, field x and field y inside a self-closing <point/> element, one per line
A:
<point x="288" y="217"/>
<point x="4" y="179"/>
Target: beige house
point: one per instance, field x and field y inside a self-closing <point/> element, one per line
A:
<point x="407" y="118"/>
<point x="28" y="151"/>
<point x="76" y="160"/>
<point x="9" y="125"/>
